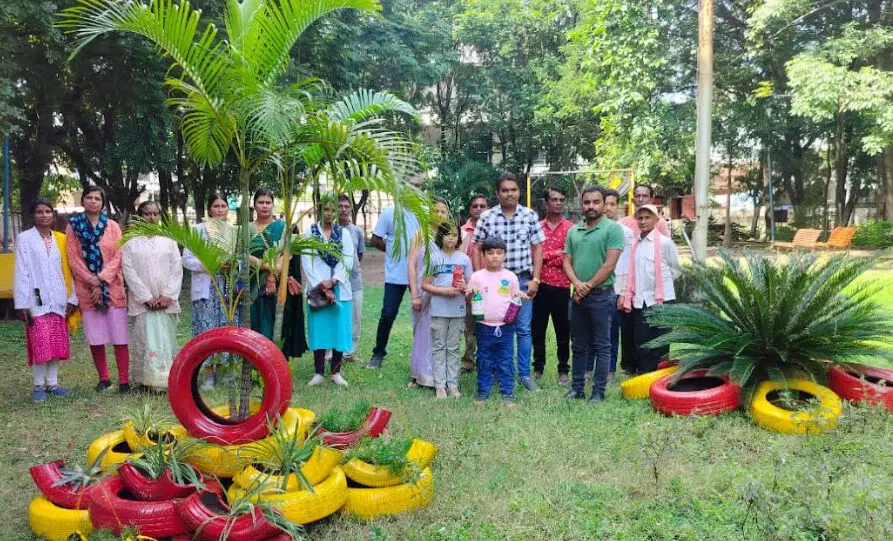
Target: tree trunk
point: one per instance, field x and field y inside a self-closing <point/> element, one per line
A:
<point x="164" y="191"/>
<point x="841" y="167"/>
<point x="727" y="235"/>
<point x="825" y="209"/>
<point x="888" y="178"/>
<point x="245" y="278"/>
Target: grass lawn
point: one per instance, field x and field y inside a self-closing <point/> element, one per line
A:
<point x="545" y="470"/>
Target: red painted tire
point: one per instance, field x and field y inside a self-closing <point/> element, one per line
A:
<point x="847" y="382"/>
<point x="713" y="401"/>
<point x="203" y="512"/>
<point x="110" y="511"/>
<point x="375" y="424"/>
<point x="197" y="417"/>
<point x="666" y="363"/>
<point x="46" y="475"/>
<point x="152" y="490"/>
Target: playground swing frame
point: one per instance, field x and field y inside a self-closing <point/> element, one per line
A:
<point x="532" y="179"/>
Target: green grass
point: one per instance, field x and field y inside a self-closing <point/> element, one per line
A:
<point x="545" y="470"/>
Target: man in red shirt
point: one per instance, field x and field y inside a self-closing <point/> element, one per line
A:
<point x="476" y="207"/>
<point x="643" y="195"/>
<point x="554" y="293"/>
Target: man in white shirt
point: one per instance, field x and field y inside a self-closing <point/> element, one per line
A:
<point x="619" y="318"/>
<point x="653" y="265"/>
<point x="643" y="195"/>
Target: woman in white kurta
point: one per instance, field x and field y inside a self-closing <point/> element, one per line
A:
<point x="44" y="298"/>
<point x="154" y="273"/>
<point x="330" y="327"/>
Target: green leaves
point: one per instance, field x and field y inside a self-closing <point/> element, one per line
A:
<point x="763" y="318"/>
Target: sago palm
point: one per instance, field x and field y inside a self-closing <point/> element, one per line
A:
<point x="759" y="318"/>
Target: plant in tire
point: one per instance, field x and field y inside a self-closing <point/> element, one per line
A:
<point x="389" y="453"/>
<point x="159" y="459"/>
<point x="345" y="419"/>
<point x="758" y="318"/>
<point x="283" y="454"/>
<point x="246" y="514"/>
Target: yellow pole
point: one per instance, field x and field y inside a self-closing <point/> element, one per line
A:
<point x="629" y="195"/>
<point x="528" y="191"/>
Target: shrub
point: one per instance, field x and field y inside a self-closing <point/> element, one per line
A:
<point x="784" y="233"/>
<point x="874" y="235"/>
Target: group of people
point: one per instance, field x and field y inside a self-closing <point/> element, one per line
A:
<point x="495" y="280"/>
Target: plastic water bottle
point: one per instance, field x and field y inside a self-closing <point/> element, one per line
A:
<point x="477" y="306"/>
<point x="511" y="313"/>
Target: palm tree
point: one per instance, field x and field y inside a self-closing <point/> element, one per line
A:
<point x="764" y="319"/>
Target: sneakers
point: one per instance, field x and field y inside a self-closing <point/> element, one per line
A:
<point x="454" y="393"/>
<point x="55" y="390"/>
<point x="39" y="394"/>
<point x="124" y="388"/>
<point x="529" y="384"/>
<point x="440" y="393"/>
<point x="103" y="385"/>
<point x="596" y="398"/>
<point x="563" y="379"/>
<point x="375" y="361"/>
<point x="316" y="380"/>
<point x="338" y="379"/>
<point x="574" y="395"/>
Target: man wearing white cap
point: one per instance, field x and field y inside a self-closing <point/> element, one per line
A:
<point x="653" y="265"/>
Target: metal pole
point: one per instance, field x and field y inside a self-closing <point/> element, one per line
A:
<point x="6" y="196"/>
<point x="702" y="146"/>
<point x="771" y="196"/>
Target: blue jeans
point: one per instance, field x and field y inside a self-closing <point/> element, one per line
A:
<point x="494" y="357"/>
<point x="390" y="306"/>
<point x="615" y="335"/>
<point x="522" y="330"/>
<point x="591" y="337"/>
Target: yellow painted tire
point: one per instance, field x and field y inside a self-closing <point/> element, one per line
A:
<point x="113" y="458"/>
<point x="57" y="523"/>
<point x="303" y="506"/>
<point x="371" y="503"/>
<point x="638" y="386"/>
<point x="785" y="421"/>
<point x="421" y="453"/>
<point x="229" y="460"/>
<point x="320" y="465"/>
<point x="138" y="442"/>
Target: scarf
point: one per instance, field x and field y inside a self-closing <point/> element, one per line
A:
<point x="74" y="319"/>
<point x="334" y="242"/>
<point x="658" y="272"/>
<point x="90" y="237"/>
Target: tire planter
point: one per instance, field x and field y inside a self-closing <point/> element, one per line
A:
<point x="785" y="421"/>
<point x="183" y="382"/>
<point x="118" y="451"/>
<point x="110" y="510"/>
<point x="317" y="468"/>
<point x="304" y="506"/>
<point x="203" y="512"/>
<point x="847" y="381"/>
<point x="46" y="475"/>
<point x="666" y="363"/>
<point x="637" y="387"/>
<point x="152" y="490"/>
<point x="711" y="401"/>
<point x="375" y="424"/>
<point x="137" y="442"/>
<point x="57" y="523"/>
<point x="370" y="503"/>
<point x="421" y="453"/>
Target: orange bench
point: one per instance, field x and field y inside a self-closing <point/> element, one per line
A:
<point x="840" y="238"/>
<point x="7" y="265"/>
<point x="804" y="239"/>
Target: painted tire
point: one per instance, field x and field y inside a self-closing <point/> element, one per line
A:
<point x="210" y="524"/>
<point x="228" y="460"/>
<point x="785" y="421"/>
<point x="376" y="423"/>
<point x="421" y="453"/>
<point x="320" y="465"/>
<point x="638" y="386"/>
<point x="199" y="420"/>
<point x="57" y="523"/>
<point x="152" y="490"/>
<point x="666" y="363"/>
<point x="713" y="401"/>
<point x="118" y="453"/>
<point x="847" y="382"/>
<point x="110" y="511"/>
<point x="46" y="475"/>
<point x="371" y="503"/>
<point x="138" y="442"/>
<point x="303" y="506"/>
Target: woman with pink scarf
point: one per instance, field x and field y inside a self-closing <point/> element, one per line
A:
<point x="651" y="267"/>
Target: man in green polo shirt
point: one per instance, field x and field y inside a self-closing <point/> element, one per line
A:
<point x="591" y="251"/>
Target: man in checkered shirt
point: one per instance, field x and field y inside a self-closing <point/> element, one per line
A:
<point x="519" y="227"/>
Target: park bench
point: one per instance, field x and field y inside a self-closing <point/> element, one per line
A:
<point x="7" y="264"/>
<point x="804" y="239"/>
<point x="840" y="238"/>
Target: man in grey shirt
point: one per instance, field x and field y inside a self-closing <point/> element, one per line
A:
<point x="356" y="275"/>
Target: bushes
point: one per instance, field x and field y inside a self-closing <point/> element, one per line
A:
<point x="874" y="235"/>
<point x="784" y="233"/>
